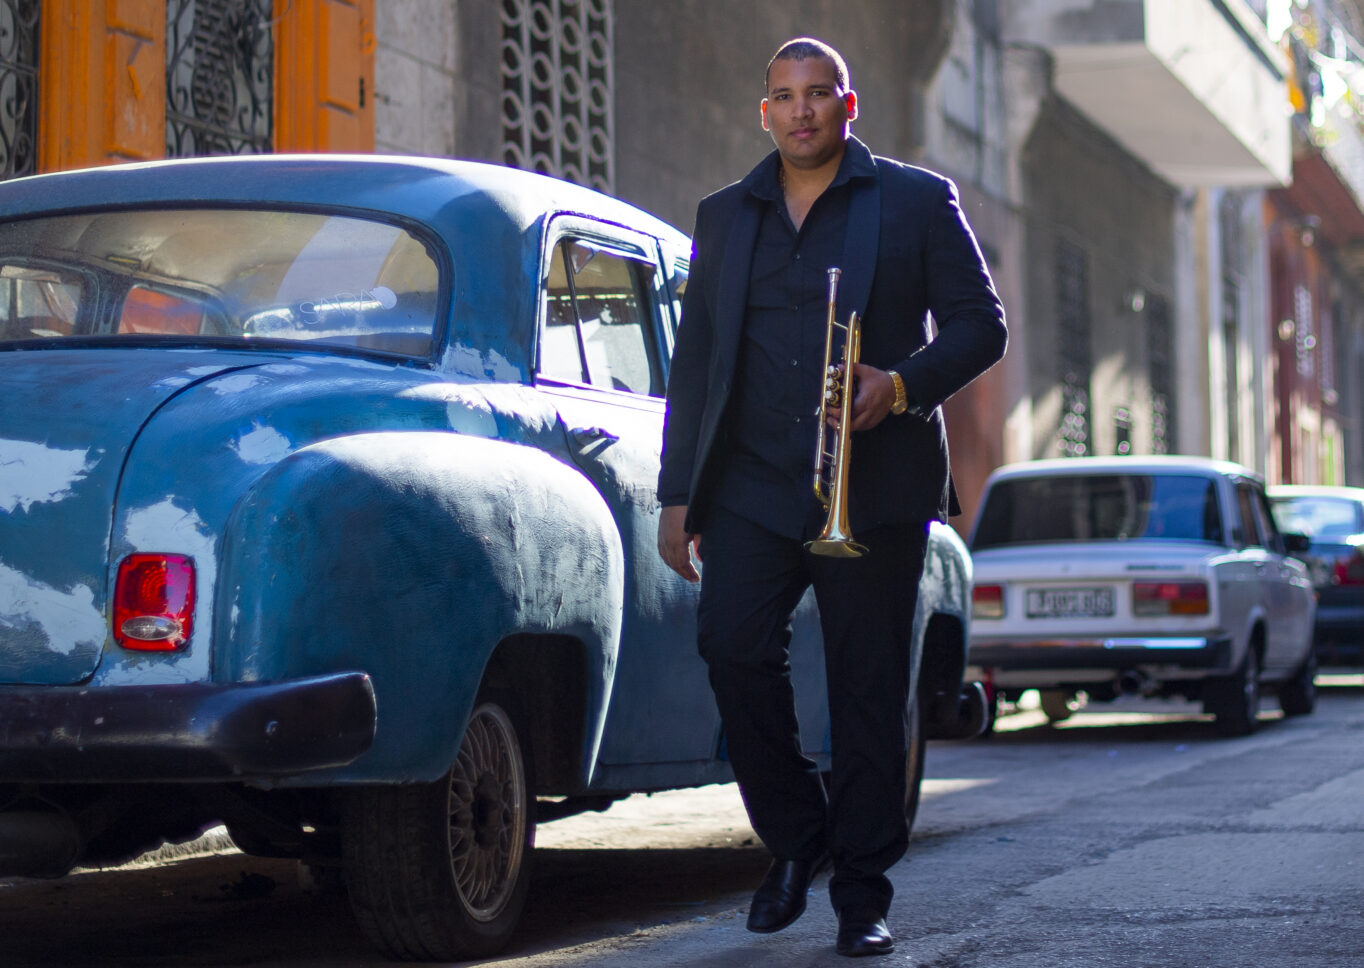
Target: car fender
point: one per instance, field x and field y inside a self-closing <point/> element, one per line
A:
<point x="942" y="626"/>
<point x="410" y="556"/>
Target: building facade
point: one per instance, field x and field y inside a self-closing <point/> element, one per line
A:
<point x="1149" y="225"/>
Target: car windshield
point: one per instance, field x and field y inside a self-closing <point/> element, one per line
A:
<point x="1099" y="507"/>
<point x="1319" y="517"/>
<point x="215" y="274"/>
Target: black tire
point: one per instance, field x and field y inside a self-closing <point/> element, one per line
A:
<point x="1058" y="705"/>
<point x="914" y="761"/>
<point x="1298" y="696"/>
<point x="440" y="871"/>
<point x="1236" y="698"/>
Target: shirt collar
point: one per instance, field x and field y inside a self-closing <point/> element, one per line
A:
<point x="762" y="182"/>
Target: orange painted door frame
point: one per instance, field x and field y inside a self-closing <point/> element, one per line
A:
<point x="324" y="75"/>
<point x="101" y="82"/>
<point x="102" y="79"/>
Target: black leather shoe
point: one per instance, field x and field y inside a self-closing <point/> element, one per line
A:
<point x="863" y="933"/>
<point x="780" y="898"/>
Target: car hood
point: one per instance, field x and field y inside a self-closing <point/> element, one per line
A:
<point x="69" y="420"/>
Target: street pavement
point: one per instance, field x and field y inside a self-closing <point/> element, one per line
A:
<point x="1131" y="835"/>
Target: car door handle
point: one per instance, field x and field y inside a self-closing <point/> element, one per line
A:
<point x="584" y="436"/>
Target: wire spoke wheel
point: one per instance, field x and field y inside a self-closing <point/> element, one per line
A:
<point x="440" y="871"/>
<point x="487" y="813"/>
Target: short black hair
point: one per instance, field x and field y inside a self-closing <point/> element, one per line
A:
<point x="805" y="47"/>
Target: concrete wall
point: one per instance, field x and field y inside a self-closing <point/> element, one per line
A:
<point x="416" y="77"/>
<point x="689" y="78"/>
<point x="1068" y="165"/>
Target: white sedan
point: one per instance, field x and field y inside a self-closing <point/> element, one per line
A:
<point x="1159" y="576"/>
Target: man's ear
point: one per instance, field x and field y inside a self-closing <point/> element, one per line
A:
<point x="763" y="108"/>
<point x="850" y="99"/>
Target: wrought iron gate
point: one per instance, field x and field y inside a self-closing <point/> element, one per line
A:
<point x="18" y="87"/>
<point x="219" y="77"/>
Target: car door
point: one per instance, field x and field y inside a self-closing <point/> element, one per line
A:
<point x="605" y="325"/>
<point x="1288" y="593"/>
<point x="1243" y="579"/>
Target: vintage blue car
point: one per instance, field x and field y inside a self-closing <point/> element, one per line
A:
<point x="327" y="513"/>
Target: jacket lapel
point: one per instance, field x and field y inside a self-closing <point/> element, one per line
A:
<point x="860" y="247"/>
<point x="733" y="284"/>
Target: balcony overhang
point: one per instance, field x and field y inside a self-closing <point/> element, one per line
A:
<point x="1192" y="88"/>
<point x="1320" y="192"/>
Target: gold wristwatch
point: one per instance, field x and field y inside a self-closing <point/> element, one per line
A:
<point x="901" y="403"/>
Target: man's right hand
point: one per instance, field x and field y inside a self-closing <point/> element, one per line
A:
<point x="676" y="543"/>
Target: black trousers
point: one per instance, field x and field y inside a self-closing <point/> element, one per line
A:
<point x="752" y="580"/>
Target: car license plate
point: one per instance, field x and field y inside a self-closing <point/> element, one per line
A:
<point x="1070" y="602"/>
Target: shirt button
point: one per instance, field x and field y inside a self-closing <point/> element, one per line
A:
<point x="795" y="363"/>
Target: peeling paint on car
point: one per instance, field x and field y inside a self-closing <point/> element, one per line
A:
<point x="482" y="364"/>
<point x="235" y="383"/>
<point x="262" y="445"/>
<point x="48" y="618"/>
<point x="36" y="473"/>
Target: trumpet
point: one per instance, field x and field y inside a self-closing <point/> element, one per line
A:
<point x="833" y="447"/>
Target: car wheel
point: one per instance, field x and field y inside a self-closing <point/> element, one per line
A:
<point x="1059" y="705"/>
<point x="1298" y="696"/>
<point x="914" y="761"/>
<point x="440" y="871"/>
<point x="1237" y="697"/>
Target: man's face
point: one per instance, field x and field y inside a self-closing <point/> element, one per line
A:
<point x="807" y="112"/>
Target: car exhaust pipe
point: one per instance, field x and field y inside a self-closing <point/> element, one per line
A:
<point x="1132" y="683"/>
<point x="37" y="843"/>
<point x="964" y="719"/>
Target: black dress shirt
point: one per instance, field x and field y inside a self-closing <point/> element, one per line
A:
<point x="768" y="468"/>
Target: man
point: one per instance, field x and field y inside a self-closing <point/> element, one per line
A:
<point x="739" y="443"/>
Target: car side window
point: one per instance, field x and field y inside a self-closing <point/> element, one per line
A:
<point x="1250" y="529"/>
<point x="1264" y="521"/>
<point x="37" y="301"/>
<point x="598" y="322"/>
<point x="148" y="310"/>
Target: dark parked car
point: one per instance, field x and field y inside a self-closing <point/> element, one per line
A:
<point x="1333" y="518"/>
<point x="327" y="513"/>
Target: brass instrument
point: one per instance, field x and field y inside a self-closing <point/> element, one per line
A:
<point x="833" y="446"/>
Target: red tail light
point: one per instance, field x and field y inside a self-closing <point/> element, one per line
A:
<point x="154" y="602"/>
<point x="987" y="601"/>
<point x="1350" y="569"/>
<point x="1169" y="598"/>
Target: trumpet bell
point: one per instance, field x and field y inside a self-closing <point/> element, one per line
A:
<point x="836" y="548"/>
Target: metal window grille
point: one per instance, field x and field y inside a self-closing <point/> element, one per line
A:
<point x="1161" y="356"/>
<point x="1072" y="350"/>
<point x="1233" y="248"/>
<point x="18" y="87"/>
<point x="1304" y="330"/>
<point x="219" y="77"/>
<point x="557" y="89"/>
<point x="1231" y="349"/>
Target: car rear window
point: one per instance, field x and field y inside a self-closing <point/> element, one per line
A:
<point x="1098" y="507"/>
<point x="1321" y="517"/>
<point x="218" y="274"/>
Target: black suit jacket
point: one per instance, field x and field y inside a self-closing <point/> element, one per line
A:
<point x="908" y="252"/>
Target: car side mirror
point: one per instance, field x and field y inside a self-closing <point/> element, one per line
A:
<point x="1296" y="543"/>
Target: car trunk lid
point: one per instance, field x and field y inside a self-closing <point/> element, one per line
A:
<point x="69" y="419"/>
<point x="1055" y="585"/>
